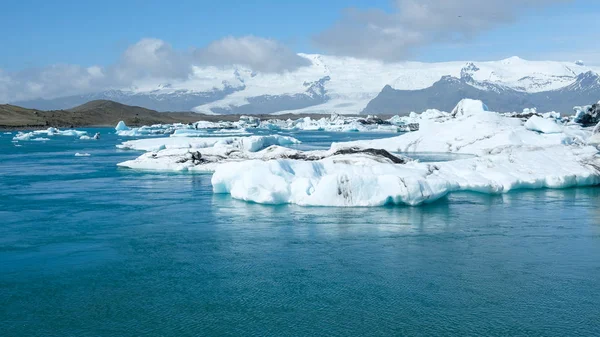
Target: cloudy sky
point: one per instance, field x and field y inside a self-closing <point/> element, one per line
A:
<point x="57" y="48"/>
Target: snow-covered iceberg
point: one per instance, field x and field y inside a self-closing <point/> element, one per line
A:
<point x="121" y="126"/>
<point x="252" y="143"/>
<point x="332" y="182"/>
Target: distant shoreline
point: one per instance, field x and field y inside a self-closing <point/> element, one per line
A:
<point x="108" y="114"/>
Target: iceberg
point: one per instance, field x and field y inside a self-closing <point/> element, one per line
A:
<point x="50" y="132"/>
<point x="332" y="182"/>
<point x="121" y="126"/>
<point x="251" y="143"/>
<point x="82" y="154"/>
<point x="539" y="124"/>
<point x="468" y="106"/>
<point x="475" y="132"/>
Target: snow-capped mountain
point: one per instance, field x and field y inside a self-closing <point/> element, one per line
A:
<point x="350" y="86"/>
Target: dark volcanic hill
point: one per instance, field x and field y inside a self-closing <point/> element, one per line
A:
<point x="100" y="112"/>
<point x="107" y="113"/>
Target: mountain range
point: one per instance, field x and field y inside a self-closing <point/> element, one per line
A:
<point x="351" y="86"/>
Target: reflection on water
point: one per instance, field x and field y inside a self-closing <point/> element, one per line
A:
<point x="90" y="249"/>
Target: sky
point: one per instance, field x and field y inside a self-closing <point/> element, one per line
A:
<point x="93" y="44"/>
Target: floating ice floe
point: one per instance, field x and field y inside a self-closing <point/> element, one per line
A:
<point x="86" y="137"/>
<point x="148" y="130"/>
<point x="252" y="143"/>
<point x="82" y="154"/>
<point x="544" y="125"/>
<point x="209" y="158"/>
<point x="509" y="153"/>
<point x="50" y="132"/>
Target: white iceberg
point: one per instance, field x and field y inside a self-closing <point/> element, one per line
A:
<point x="252" y="143"/>
<point x="544" y="125"/>
<point x="468" y="106"/>
<point x="474" y="132"/>
<point x="82" y="154"/>
<point x="121" y="126"/>
<point x="332" y="182"/>
<point x="50" y="132"/>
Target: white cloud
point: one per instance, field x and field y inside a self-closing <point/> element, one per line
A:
<point x="148" y="60"/>
<point x="415" y="23"/>
<point x="258" y="53"/>
<point x="55" y="80"/>
<point x="152" y="58"/>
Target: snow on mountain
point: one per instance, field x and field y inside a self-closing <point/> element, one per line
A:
<point x="330" y="84"/>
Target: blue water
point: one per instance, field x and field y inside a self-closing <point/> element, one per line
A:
<point x="88" y="249"/>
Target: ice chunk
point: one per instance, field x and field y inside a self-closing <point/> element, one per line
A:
<point x="539" y="124"/>
<point x="468" y="107"/>
<point x="50" y="132"/>
<point x="82" y="154"/>
<point x="252" y="143"/>
<point x="121" y="126"/>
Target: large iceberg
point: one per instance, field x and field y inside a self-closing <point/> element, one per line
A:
<point x="508" y="153"/>
<point x="341" y="182"/>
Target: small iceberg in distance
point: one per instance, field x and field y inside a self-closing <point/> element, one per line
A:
<point x="39" y="135"/>
<point x="121" y="126"/>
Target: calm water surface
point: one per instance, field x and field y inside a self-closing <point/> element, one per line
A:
<point x="88" y="249"/>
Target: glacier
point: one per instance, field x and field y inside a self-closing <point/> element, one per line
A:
<point x="508" y="152"/>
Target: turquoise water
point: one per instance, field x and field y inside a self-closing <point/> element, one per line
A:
<point x="88" y="249"/>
